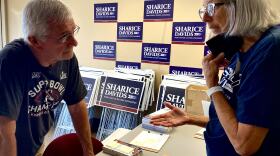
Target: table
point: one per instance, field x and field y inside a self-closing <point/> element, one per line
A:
<point x="180" y="143"/>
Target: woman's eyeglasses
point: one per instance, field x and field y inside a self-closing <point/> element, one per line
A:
<point x="209" y="9"/>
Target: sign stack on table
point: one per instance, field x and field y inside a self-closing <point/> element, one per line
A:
<point x="125" y="94"/>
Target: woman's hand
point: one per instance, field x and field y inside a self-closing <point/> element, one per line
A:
<point x="211" y="66"/>
<point x="175" y="117"/>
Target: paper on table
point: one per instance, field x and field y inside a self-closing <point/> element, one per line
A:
<point x="150" y="141"/>
<point x="117" y="134"/>
<point x="199" y="134"/>
<point x="113" y="147"/>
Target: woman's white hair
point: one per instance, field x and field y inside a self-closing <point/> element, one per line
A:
<point x="38" y="14"/>
<point x="249" y="17"/>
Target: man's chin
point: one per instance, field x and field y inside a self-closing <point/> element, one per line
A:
<point x="68" y="55"/>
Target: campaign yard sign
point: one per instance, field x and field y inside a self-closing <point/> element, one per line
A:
<point x="158" y="10"/>
<point x="188" y="33"/>
<point x="156" y="53"/>
<point x="122" y="94"/>
<point x="130" y="31"/>
<point x="174" y="95"/>
<point x="89" y="84"/>
<point x="189" y="71"/>
<point x="128" y="65"/>
<point x="105" y="12"/>
<point x="104" y="50"/>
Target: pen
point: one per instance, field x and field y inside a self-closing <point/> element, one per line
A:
<point x="137" y="149"/>
<point x="127" y="144"/>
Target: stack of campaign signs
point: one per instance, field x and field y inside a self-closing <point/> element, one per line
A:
<point x="124" y="94"/>
<point x="91" y="78"/>
<point x="173" y="89"/>
<point x="129" y="90"/>
<point x="121" y="94"/>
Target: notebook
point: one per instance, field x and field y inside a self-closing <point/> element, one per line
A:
<point x="150" y="140"/>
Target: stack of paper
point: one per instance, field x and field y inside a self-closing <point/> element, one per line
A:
<point x="117" y="149"/>
<point x="147" y="125"/>
<point x="113" y="147"/>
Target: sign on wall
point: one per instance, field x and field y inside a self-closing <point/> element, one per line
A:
<point x="188" y="33"/>
<point x="185" y="71"/>
<point x="158" y="10"/>
<point x="106" y="12"/>
<point x="130" y="31"/>
<point x="104" y="50"/>
<point x="156" y="53"/>
<point x="128" y="65"/>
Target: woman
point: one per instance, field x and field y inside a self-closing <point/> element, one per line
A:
<point x="243" y="113"/>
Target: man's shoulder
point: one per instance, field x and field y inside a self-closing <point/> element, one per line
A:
<point x="14" y="49"/>
<point x="15" y="55"/>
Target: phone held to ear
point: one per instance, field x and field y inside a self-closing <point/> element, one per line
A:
<point x="227" y="44"/>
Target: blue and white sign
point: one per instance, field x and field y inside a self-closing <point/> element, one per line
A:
<point x="158" y="10"/>
<point x="188" y="33"/>
<point x="106" y="12"/>
<point x="206" y="50"/>
<point x="130" y="31"/>
<point x="89" y="84"/>
<point x="128" y="65"/>
<point x="156" y="53"/>
<point x="121" y="94"/>
<point x="104" y="50"/>
<point x="189" y="71"/>
<point x="176" y="96"/>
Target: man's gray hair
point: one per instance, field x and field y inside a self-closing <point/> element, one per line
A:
<point x="250" y="17"/>
<point x="38" y="14"/>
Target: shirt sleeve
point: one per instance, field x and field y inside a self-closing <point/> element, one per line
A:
<point x="11" y="92"/>
<point x="75" y="90"/>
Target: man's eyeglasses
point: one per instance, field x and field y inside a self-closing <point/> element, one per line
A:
<point x="65" y="37"/>
<point x="209" y="9"/>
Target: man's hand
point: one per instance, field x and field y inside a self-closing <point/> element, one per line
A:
<point x="80" y="120"/>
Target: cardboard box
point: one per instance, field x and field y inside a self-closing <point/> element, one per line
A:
<point x="194" y="96"/>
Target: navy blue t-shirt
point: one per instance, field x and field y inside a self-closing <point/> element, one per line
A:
<point x="29" y="93"/>
<point x="253" y="92"/>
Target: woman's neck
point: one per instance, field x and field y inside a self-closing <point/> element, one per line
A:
<point x="248" y="42"/>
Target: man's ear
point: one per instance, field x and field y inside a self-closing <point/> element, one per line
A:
<point x="34" y="42"/>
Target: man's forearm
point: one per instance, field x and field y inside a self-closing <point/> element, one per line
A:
<point x="81" y="123"/>
<point x="8" y="146"/>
